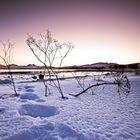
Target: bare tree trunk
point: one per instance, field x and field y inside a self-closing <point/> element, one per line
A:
<point x="59" y="87"/>
<point x="13" y="84"/>
<point x="7" y="56"/>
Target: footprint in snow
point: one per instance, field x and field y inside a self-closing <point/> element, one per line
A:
<point x="49" y="131"/>
<point x="29" y="88"/>
<point x="36" y="110"/>
<point x="19" y="88"/>
<point x="29" y="96"/>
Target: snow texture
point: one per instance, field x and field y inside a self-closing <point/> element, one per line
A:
<point x="100" y="116"/>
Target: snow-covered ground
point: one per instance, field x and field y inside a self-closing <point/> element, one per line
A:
<point x="100" y="116"/>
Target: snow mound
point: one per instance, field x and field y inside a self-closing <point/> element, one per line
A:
<point x="29" y="96"/>
<point x="36" y="110"/>
<point x="49" y="131"/>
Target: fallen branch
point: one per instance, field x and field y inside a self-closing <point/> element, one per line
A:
<point x="95" y="85"/>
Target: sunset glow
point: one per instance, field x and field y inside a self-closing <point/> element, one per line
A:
<point x="101" y="31"/>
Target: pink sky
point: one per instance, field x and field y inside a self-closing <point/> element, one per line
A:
<point x="106" y="31"/>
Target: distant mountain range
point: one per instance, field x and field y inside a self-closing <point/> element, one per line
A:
<point x="103" y="65"/>
<point x="100" y="65"/>
<point x="29" y="66"/>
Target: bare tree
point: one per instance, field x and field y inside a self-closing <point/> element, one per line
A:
<point x="6" y="56"/>
<point x="50" y="53"/>
<point x="80" y="79"/>
<point x="120" y="80"/>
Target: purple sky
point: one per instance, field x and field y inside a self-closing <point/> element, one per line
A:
<point x="101" y="30"/>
